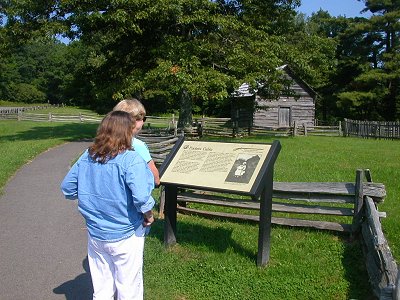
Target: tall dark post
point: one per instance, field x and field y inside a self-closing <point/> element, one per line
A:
<point x="186" y="108"/>
<point x="171" y="193"/>
<point x="264" y="226"/>
<point x="358" y="202"/>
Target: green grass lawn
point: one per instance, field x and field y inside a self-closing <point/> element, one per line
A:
<point x="216" y="259"/>
<point x="337" y="159"/>
<point x="68" y="110"/>
<point x="19" y="104"/>
<point x="20" y="142"/>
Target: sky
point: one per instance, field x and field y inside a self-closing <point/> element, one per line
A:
<point x="348" y="8"/>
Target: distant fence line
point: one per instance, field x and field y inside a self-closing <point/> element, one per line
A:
<point x="372" y="129"/>
<point x="205" y="126"/>
<point x="225" y="127"/>
<point x="16" y="110"/>
<point x="152" y="122"/>
<point x="51" y="117"/>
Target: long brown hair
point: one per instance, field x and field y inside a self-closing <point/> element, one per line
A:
<point x="114" y="135"/>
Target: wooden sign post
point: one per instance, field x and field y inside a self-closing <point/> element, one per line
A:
<point x="236" y="168"/>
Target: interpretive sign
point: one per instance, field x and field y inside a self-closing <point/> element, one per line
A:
<point x="238" y="168"/>
<point x="217" y="165"/>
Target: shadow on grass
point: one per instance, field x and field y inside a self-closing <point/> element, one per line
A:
<point x="353" y="262"/>
<point x="216" y="239"/>
<point x="219" y="240"/>
<point x="355" y="271"/>
<point x="67" y="132"/>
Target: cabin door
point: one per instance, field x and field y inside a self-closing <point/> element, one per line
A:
<point x="284" y="117"/>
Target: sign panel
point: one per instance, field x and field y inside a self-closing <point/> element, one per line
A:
<point x="216" y="165"/>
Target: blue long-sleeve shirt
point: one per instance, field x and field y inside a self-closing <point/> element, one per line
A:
<point x="112" y="197"/>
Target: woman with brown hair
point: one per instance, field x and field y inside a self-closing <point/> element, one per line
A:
<point x="113" y="185"/>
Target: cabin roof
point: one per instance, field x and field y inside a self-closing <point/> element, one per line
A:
<point x="245" y="90"/>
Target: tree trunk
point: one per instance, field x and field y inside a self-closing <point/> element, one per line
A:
<point x="186" y="105"/>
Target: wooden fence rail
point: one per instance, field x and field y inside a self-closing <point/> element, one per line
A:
<point x="15" y="110"/>
<point x="206" y="126"/>
<point x="52" y="117"/>
<point x="159" y="145"/>
<point x="324" y="130"/>
<point x="381" y="266"/>
<point x="152" y="122"/>
<point x="292" y="201"/>
<point x="226" y="127"/>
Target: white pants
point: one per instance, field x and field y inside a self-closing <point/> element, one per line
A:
<point x="117" y="266"/>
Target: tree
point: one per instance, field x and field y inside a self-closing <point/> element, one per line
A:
<point x="373" y="92"/>
<point x="168" y="49"/>
<point x="342" y="68"/>
<point x="39" y="67"/>
<point x="363" y="82"/>
<point x="171" y="52"/>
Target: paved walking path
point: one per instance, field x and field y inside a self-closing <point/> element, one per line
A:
<point x="42" y="235"/>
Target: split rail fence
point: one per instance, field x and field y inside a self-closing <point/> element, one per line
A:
<point x="153" y="123"/>
<point x="12" y="112"/>
<point x="205" y="126"/>
<point x="226" y="127"/>
<point x="350" y="207"/>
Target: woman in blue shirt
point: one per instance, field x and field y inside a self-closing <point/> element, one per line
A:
<point x="113" y="185"/>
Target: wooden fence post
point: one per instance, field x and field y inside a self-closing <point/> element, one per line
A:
<point x="170" y="211"/>
<point x="396" y="292"/>
<point x="236" y="123"/>
<point x="250" y="124"/>
<point x="175" y="128"/>
<point x="358" y="202"/>
<point x="295" y="128"/>
<point x="50" y="117"/>
<point x="162" y="202"/>
<point x="200" y="127"/>
<point x="367" y="174"/>
<point x="340" y="128"/>
<point x="305" y="129"/>
<point x="264" y="225"/>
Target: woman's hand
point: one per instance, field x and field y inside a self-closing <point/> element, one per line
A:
<point x="148" y="218"/>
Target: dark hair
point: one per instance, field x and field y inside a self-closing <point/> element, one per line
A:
<point x="114" y="135"/>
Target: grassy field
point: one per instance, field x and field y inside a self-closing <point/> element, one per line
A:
<point x="215" y="259"/>
<point x="337" y="159"/>
<point x="20" y="142"/>
<point x="57" y="110"/>
<point x="19" y="104"/>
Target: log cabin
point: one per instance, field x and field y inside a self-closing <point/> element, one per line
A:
<point x="297" y="106"/>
